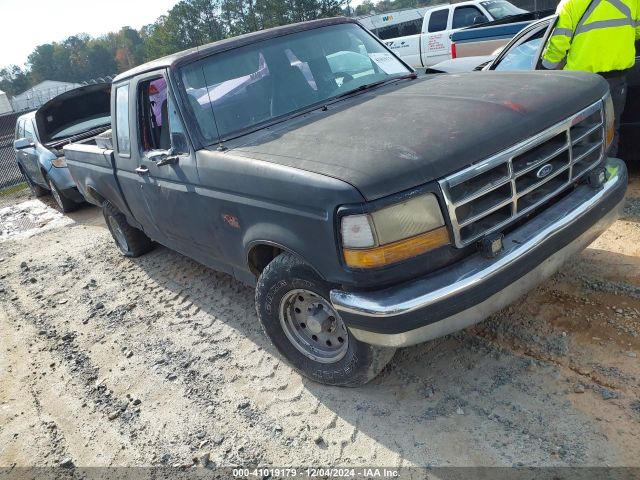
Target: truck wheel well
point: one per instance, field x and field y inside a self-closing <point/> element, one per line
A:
<point x="91" y="192"/>
<point x="260" y="256"/>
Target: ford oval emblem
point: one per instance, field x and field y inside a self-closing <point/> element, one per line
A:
<point x="544" y="171"/>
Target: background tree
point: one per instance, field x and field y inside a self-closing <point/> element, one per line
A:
<point x="14" y="80"/>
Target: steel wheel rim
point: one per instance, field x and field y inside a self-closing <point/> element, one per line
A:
<point x="118" y="234"/>
<point x="56" y="195"/>
<point x="313" y="326"/>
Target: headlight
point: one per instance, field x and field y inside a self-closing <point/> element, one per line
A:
<point x="610" y="120"/>
<point x="394" y="233"/>
<point x="59" y="162"/>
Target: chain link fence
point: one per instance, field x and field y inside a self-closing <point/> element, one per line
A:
<point x="12" y="183"/>
<point x="13" y="187"/>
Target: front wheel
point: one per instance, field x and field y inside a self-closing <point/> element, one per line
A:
<point x="293" y="305"/>
<point x="131" y="241"/>
<point x="65" y="205"/>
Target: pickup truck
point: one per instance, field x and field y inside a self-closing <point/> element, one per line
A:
<point x="489" y="38"/>
<point x="371" y="210"/>
<point x="421" y="37"/>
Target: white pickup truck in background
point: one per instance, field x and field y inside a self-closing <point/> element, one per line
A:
<point x="421" y="36"/>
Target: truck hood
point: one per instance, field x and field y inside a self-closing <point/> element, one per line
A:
<point x="400" y="136"/>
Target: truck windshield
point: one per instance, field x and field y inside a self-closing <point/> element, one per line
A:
<point x="500" y="9"/>
<point x="233" y="91"/>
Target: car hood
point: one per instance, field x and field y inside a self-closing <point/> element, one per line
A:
<point x="400" y="136"/>
<point x="460" y="65"/>
<point x="70" y="108"/>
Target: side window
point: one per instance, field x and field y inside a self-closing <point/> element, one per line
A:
<point x="386" y="33"/>
<point x="523" y="56"/>
<point x="153" y="115"/>
<point x="465" y="16"/>
<point x="122" y="120"/>
<point x="20" y="129"/>
<point x="410" y="28"/>
<point x="29" y="132"/>
<point x="438" y="20"/>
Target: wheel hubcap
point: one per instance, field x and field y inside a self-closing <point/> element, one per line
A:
<point x="313" y="326"/>
<point x="118" y="234"/>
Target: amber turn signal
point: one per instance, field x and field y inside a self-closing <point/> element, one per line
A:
<point x="396" y="251"/>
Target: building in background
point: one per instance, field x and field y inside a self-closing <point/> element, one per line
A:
<point x="40" y="94"/>
<point x="5" y="105"/>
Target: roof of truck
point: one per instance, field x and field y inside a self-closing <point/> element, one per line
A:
<point x="192" y="54"/>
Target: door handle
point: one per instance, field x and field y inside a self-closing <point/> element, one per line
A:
<point x="168" y="160"/>
<point x="142" y="170"/>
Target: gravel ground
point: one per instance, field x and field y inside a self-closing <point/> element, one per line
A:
<point x="159" y="361"/>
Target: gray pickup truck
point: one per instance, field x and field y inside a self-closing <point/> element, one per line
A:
<point x="372" y="209"/>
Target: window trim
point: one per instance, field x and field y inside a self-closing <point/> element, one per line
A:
<point x="446" y="24"/>
<point x="460" y="7"/>
<point x="522" y="37"/>
<point x="33" y="128"/>
<point x="20" y="129"/>
<point x="126" y="86"/>
<point x="139" y="111"/>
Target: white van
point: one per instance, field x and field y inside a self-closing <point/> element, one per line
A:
<point x="421" y="36"/>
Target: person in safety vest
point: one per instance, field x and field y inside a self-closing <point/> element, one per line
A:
<point x="597" y="36"/>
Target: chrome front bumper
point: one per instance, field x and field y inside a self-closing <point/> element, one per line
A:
<point x="471" y="290"/>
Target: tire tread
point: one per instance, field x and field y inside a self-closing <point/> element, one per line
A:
<point x="139" y="243"/>
<point x="361" y="368"/>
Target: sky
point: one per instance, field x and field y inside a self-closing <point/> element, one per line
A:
<point x="28" y="23"/>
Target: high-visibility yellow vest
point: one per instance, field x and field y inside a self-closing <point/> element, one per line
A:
<point x="594" y="36"/>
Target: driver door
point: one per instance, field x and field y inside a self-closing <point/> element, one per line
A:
<point x="165" y="170"/>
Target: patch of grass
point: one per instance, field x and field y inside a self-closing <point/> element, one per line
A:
<point x="5" y="192"/>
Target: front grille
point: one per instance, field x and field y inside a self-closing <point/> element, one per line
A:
<point x="492" y="194"/>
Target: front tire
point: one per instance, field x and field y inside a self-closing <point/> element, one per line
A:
<point x="131" y="241"/>
<point x="65" y="205"/>
<point x="293" y="306"/>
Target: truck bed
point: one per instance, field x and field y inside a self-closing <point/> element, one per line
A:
<point x="93" y="169"/>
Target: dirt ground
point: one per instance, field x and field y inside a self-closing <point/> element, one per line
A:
<point x="109" y="361"/>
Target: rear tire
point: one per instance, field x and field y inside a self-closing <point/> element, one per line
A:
<point x="36" y="189"/>
<point x="131" y="241"/>
<point x="65" y="205"/>
<point x="293" y="305"/>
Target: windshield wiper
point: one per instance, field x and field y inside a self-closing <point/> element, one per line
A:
<point x="369" y="86"/>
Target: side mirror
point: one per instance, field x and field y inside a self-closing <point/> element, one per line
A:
<point x="23" y="143"/>
<point x="479" y="19"/>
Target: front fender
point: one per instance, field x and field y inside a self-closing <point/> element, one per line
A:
<point x="61" y="177"/>
<point x="281" y="237"/>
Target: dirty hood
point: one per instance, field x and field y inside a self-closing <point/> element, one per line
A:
<point x="400" y="136"/>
